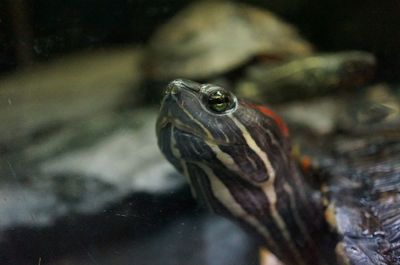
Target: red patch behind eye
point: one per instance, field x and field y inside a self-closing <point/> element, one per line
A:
<point x="269" y="113"/>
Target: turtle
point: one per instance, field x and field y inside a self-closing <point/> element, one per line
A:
<point x="210" y="38"/>
<point x="307" y="76"/>
<point x="249" y="49"/>
<point x="340" y="207"/>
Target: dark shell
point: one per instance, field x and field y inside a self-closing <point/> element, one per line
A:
<point x="358" y="168"/>
<point x="363" y="190"/>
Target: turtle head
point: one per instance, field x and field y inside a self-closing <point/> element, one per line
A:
<point x="206" y="126"/>
<point x="236" y="156"/>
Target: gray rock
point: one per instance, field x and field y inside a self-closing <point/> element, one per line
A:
<point x="65" y="174"/>
<point x="319" y="115"/>
<point x="65" y="149"/>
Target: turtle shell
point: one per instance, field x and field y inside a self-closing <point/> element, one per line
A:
<point x="362" y="195"/>
<point x="212" y="37"/>
<point x="359" y="173"/>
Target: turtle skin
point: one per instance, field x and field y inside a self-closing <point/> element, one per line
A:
<point x="358" y="178"/>
<point x="361" y="190"/>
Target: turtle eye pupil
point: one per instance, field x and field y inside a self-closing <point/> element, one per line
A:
<point x="219" y="101"/>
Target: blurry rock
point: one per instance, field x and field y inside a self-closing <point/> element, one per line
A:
<point x="94" y="180"/>
<point x="209" y="38"/>
<point x="319" y="115"/>
<point x="83" y="168"/>
<point x="376" y="109"/>
<point x="68" y="88"/>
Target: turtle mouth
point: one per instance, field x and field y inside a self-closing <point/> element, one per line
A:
<point x="168" y="121"/>
<point x="186" y="130"/>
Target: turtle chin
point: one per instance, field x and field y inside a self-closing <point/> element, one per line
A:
<point x="176" y="143"/>
<point x="177" y="131"/>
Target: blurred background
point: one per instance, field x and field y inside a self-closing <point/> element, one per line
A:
<point x="81" y="178"/>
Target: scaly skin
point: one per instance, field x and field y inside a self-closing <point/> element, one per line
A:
<point x="236" y="156"/>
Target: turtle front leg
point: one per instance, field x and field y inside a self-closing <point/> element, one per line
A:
<point x="267" y="258"/>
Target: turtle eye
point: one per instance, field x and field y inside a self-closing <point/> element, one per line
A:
<point x="219" y="101"/>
